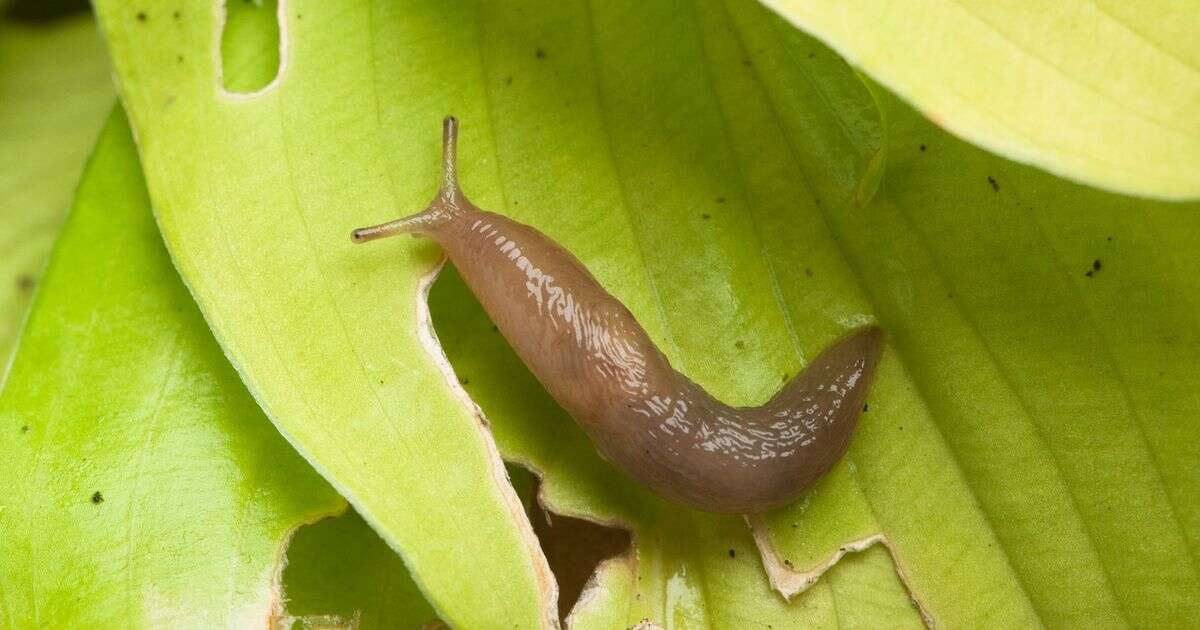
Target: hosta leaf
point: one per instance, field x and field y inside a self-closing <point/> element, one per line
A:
<point x="1101" y="91"/>
<point x="54" y="92"/>
<point x="140" y="486"/>
<point x="1009" y="431"/>
<point x="715" y="170"/>
<point x="1051" y="331"/>
<point x="325" y="335"/>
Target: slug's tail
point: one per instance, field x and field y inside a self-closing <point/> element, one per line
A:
<point x="843" y="371"/>
<point x="445" y="207"/>
<point x="828" y="396"/>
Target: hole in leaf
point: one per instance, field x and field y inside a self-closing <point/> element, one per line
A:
<point x="518" y="406"/>
<point x="339" y="572"/>
<point x="36" y="11"/>
<point x="249" y="45"/>
<point x="573" y="547"/>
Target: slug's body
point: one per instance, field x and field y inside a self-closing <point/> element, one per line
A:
<point x="594" y="358"/>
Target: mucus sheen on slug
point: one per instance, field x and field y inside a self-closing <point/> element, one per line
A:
<point x="593" y="357"/>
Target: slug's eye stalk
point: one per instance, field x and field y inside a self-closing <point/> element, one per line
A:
<point x="444" y="207"/>
<point x="449" y="192"/>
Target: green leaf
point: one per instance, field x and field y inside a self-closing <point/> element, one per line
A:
<point x="1029" y="451"/>
<point x="714" y="169"/>
<point x="255" y="196"/>
<point x="1050" y="330"/>
<point x="140" y="485"/>
<point x="1105" y="92"/>
<point x="54" y="93"/>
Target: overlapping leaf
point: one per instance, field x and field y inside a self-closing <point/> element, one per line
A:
<point x="1101" y="91"/>
<point x="54" y="92"/>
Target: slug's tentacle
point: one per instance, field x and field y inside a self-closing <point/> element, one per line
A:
<point x="595" y="359"/>
<point x="444" y="206"/>
<point x="449" y="192"/>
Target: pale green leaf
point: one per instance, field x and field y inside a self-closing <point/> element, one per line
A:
<point x="140" y="485"/>
<point x="54" y="93"/>
<point x="1030" y="449"/>
<point x="1102" y="91"/>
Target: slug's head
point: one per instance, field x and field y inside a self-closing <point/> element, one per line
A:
<point x="448" y="205"/>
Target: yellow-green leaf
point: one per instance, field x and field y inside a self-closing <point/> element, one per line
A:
<point x="255" y="195"/>
<point x="1101" y="91"/>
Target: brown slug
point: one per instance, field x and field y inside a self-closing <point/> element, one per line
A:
<point x="595" y="359"/>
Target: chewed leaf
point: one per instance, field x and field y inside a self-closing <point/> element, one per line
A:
<point x="721" y="174"/>
<point x="330" y="338"/>
<point x="339" y="573"/>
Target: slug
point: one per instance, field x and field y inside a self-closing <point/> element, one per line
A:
<point x="594" y="358"/>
